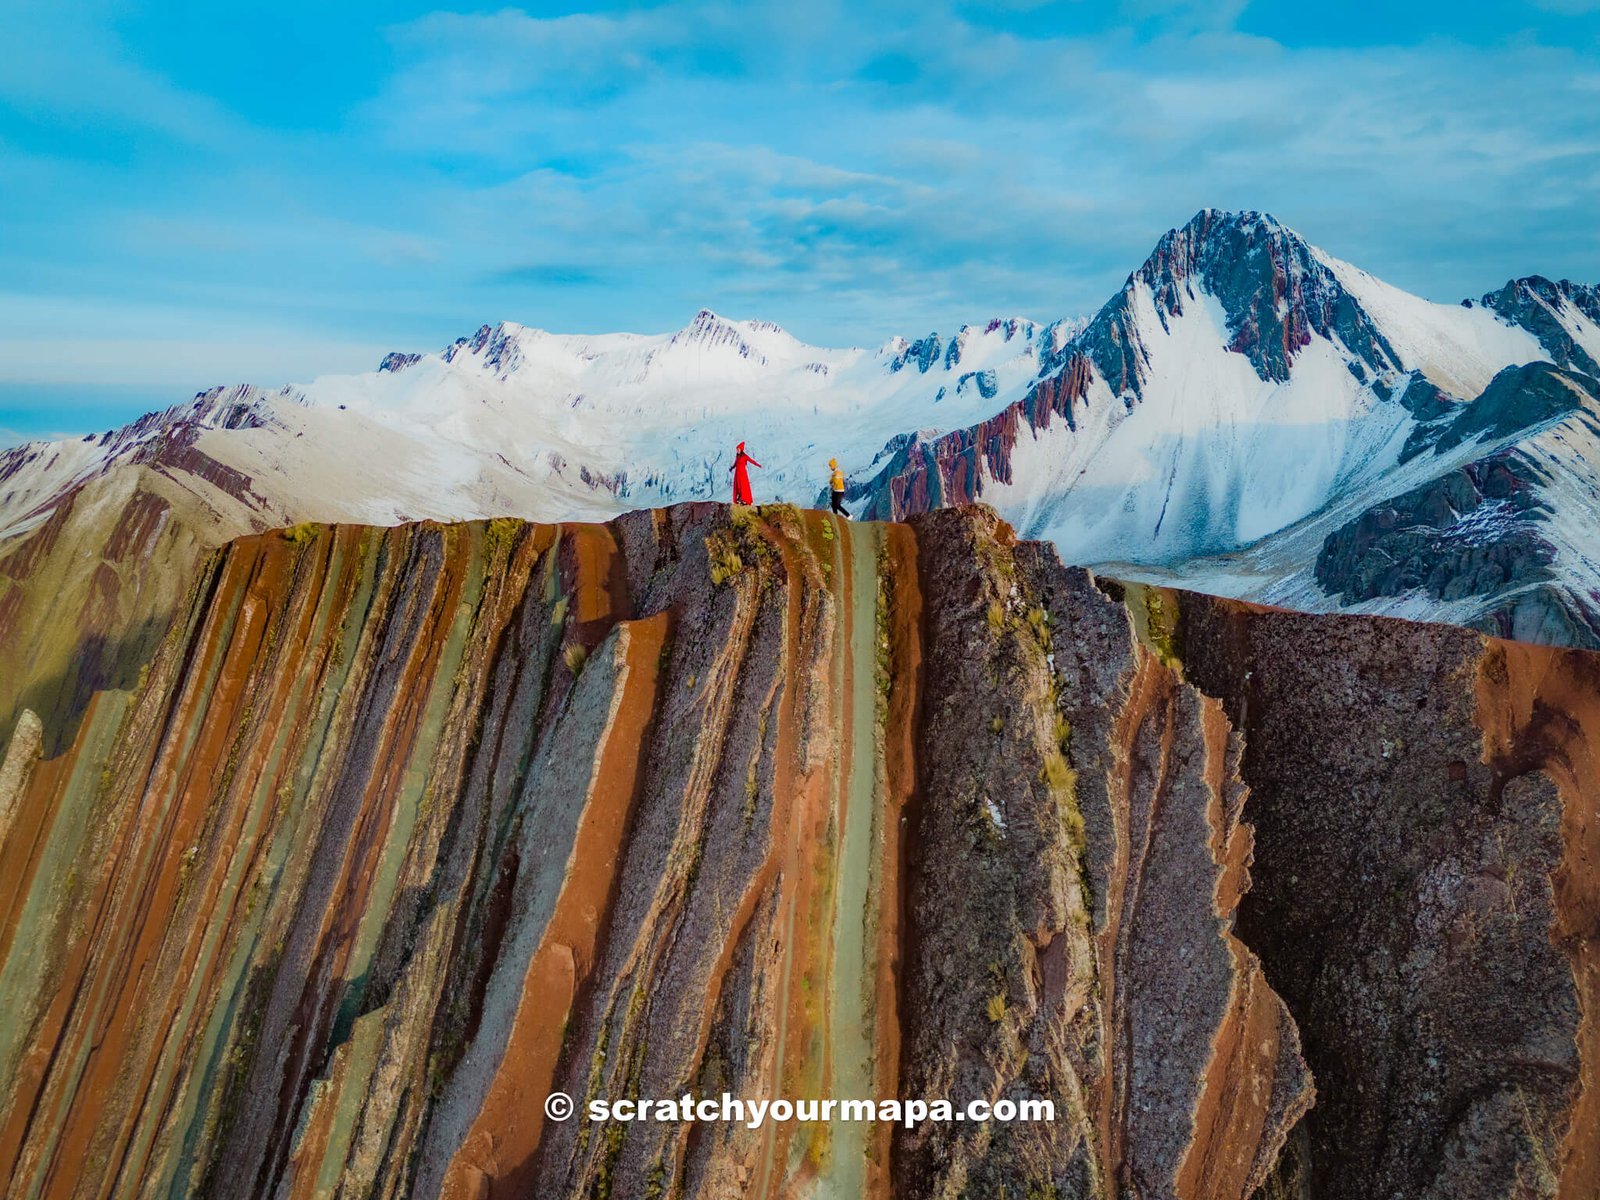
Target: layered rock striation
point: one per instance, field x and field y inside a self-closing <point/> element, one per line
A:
<point x="397" y="831"/>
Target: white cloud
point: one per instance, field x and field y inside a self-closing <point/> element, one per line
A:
<point x="1007" y="173"/>
<point x="849" y="175"/>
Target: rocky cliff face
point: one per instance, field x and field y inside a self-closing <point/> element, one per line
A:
<point x="1547" y="309"/>
<point x="399" y="830"/>
<point x="1489" y="530"/>
<point x="1274" y="290"/>
<point x="1425" y="894"/>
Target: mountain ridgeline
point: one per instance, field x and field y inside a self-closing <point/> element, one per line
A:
<point x="384" y="754"/>
<point x="397" y="830"/>
<point x="1248" y="416"/>
<point x="1519" y="393"/>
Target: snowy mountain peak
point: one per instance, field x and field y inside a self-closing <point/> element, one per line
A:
<point x="709" y="330"/>
<point x="1275" y="291"/>
<point x="1564" y="316"/>
<point x="496" y="348"/>
<point x="1244" y="394"/>
<point x="757" y="343"/>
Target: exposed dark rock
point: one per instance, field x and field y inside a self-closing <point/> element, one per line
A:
<point x="1471" y="532"/>
<point x="397" y="361"/>
<point x="1424" y="893"/>
<point x="1518" y="400"/>
<point x="1273" y="289"/>
<point x="1533" y="303"/>
<point x="924" y="352"/>
<point x="1476" y="530"/>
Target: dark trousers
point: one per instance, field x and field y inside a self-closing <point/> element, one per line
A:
<point x="838" y="504"/>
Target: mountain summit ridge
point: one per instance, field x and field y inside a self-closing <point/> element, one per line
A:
<point x="1243" y="403"/>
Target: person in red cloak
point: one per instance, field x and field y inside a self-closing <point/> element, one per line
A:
<point x="741" y="476"/>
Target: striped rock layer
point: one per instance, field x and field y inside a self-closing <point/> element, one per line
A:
<point x="398" y="831"/>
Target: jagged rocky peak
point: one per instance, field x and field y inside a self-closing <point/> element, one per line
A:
<point x="923" y="352"/>
<point x="239" y="406"/>
<point x="497" y="348"/>
<point x="1483" y="528"/>
<point x="1276" y="291"/>
<point x="398" y="360"/>
<point x="1055" y="343"/>
<point x="1006" y="329"/>
<point x="926" y="353"/>
<point x="1562" y="315"/>
<point x="749" y="340"/>
<point x="1554" y="293"/>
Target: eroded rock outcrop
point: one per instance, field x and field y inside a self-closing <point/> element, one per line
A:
<point x="1079" y="837"/>
<point x="401" y="830"/>
<point x="1425" y="892"/>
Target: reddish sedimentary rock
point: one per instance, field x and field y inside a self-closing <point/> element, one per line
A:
<point x="950" y="469"/>
<point x="402" y="829"/>
<point x="399" y="830"/>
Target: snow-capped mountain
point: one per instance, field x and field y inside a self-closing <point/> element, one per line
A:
<point x="1248" y="416"/>
<point x="512" y="421"/>
<point x="1245" y="414"/>
<point x="517" y="420"/>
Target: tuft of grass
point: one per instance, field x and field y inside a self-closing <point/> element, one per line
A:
<point x="723" y="556"/>
<point x="501" y="534"/>
<point x="997" y="1007"/>
<point x="997" y="616"/>
<point x="1062" y="780"/>
<point x="988" y="828"/>
<point x="302" y="533"/>
<point x="1039" y="621"/>
<point x="752" y="791"/>
<point x="615" y="1132"/>
<point x="574" y="656"/>
<point x="1161" y="627"/>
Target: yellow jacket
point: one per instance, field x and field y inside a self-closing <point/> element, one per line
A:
<point x="838" y="480"/>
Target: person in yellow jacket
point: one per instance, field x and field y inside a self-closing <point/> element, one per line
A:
<point x="838" y="488"/>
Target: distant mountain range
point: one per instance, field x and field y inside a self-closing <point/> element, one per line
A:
<point x="1248" y="416"/>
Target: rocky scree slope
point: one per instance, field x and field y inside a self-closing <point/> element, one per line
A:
<point x="398" y="829"/>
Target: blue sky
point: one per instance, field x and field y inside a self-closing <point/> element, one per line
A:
<point x="193" y="193"/>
